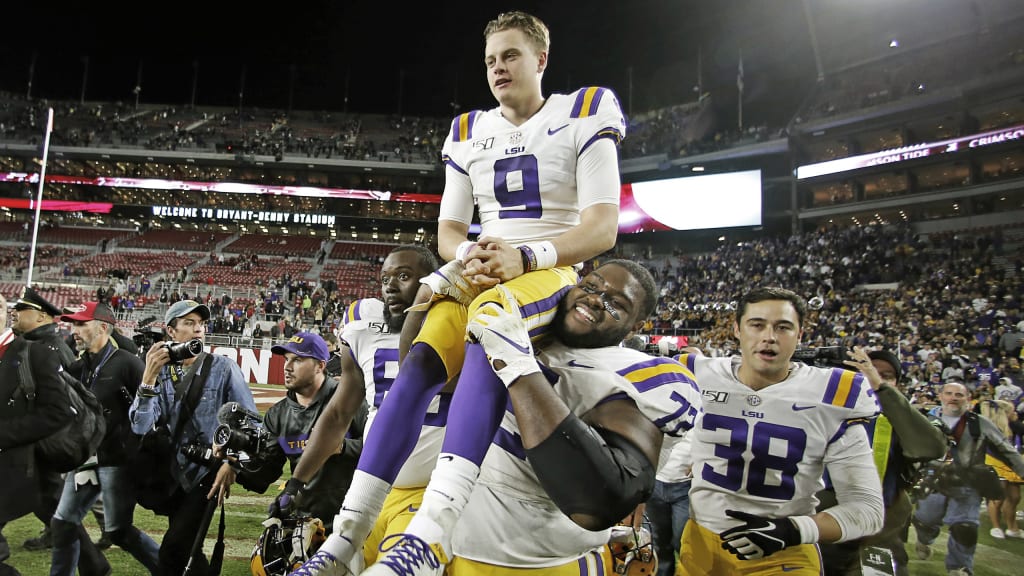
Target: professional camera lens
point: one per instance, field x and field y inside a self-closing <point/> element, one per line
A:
<point x="180" y="351"/>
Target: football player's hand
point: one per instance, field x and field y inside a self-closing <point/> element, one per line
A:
<point x="503" y="335"/>
<point x="285" y="503"/>
<point x="758" y="536"/>
<point x="448" y="281"/>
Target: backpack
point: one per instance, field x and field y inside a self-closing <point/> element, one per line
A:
<point x="72" y="445"/>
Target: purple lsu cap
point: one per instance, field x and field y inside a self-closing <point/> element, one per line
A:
<point x="305" y="344"/>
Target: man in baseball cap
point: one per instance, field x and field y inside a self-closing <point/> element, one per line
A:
<point x="89" y="311"/>
<point x="290" y="421"/>
<point x="183" y="308"/>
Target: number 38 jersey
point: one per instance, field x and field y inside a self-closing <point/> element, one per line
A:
<point x="764" y="451"/>
<point x="375" y="349"/>
<point x="523" y="178"/>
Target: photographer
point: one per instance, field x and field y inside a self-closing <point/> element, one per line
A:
<point x="963" y="482"/>
<point x="290" y="421"/>
<point x="173" y="370"/>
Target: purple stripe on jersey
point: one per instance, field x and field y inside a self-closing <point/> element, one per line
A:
<point x="691" y="362"/>
<point x="447" y="161"/>
<point x="353" y="312"/>
<point x="855" y="386"/>
<point x="600" y="562"/>
<point x="833" y="385"/>
<point x="587" y="102"/>
<point x="661" y="379"/>
<point x="462" y="126"/>
<point x="542" y="306"/>
<point x="613" y="397"/>
<point x="610" y="133"/>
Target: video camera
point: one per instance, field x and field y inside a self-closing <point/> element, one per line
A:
<point x="241" y="435"/>
<point x="823" y="356"/>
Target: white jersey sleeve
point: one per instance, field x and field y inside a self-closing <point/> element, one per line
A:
<point x="764" y="451"/>
<point x="375" y="350"/>
<point x="665" y="390"/>
<point x="523" y="179"/>
<point x="510" y="520"/>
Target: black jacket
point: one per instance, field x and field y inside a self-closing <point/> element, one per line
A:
<point x="21" y="427"/>
<point x="113" y="374"/>
<point x="290" y="424"/>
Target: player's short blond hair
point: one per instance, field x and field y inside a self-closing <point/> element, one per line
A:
<point x="534" y="29"/>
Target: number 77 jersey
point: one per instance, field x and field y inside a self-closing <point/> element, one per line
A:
<point x="764" y="451"/>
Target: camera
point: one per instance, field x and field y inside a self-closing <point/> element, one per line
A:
<point x="241" y="434"/>
<point x="823" y="356"/>
<point x="181" y="351"/>
<point x="199" y="453"/>
<point x="939" y="476"/>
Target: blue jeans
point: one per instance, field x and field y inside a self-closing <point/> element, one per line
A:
<point x="668" y="509"/>
<point x="960" y="507"/>
<point x="119" y="509"/>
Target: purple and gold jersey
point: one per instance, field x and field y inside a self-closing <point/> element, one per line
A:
<point x="523" y="178"/>
<point x="375" y="349"/>
<point x="764" y="451"/>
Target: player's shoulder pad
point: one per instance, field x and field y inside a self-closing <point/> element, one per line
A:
<point x="363" y="310"/>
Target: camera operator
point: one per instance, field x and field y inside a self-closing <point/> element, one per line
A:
<point x="961" y="483"/>
<point x="291" y="419"/>
<point x="172" y="368"/>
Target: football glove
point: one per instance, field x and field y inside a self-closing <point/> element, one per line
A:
<point x="503" y="335"/>
<point x="759" y="536"/>
<point x="448" y="281"/>
<point x="286" y="502"/>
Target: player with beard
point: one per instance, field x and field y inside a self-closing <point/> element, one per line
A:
<point x="369" y="364"/>
<point x="537" y="507"/>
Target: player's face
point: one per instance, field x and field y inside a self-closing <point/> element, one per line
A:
<point x="513" y="68"/>
<point x="586" y="316"/>
<point x="954" y="399"/>
<point x="769" y="332"/>
<point x="399" y="280"/>
<point x="299" y="371"/>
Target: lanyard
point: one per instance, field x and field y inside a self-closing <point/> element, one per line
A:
<point x="96" y="370"/>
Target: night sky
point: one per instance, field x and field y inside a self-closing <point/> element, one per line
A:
<point x="418" y="58"/>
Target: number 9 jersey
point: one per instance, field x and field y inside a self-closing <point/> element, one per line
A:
<point x="523" y="179"/>
<point x="764" y="451"/>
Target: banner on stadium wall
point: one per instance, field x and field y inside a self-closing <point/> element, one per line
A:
<point x="259" y="366"/>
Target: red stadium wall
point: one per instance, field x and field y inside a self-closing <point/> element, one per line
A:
<point x="259" y="366"/>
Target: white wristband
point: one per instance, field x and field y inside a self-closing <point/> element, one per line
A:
<point x="808" y="529"/>
<point x="544" y="253"/>
<point x="464" y="249"/>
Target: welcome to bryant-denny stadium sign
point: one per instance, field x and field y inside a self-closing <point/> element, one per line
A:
<point x="261" y="216"/>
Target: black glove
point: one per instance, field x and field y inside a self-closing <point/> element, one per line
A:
<point x="284" y="505"/>
<point x="760" y="536"/>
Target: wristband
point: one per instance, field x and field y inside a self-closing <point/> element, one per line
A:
<point x="146" y="391"/>
<point x="529" y="260"/>
<point x="464" y="249"/>
<point x="808" y="529"/>
<point x="542" y="255"/>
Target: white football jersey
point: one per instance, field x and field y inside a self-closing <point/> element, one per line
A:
<point x="523" y="178"/>
<point x="510" y="520"/>
<point x="764" y="451"/>
<point x="375" y="349"/>
<point x="665" y="390"/>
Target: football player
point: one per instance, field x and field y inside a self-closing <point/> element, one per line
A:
<point x="369" y="358"/>
<point x="768" y="429"/>
<point x="543" y="175"/>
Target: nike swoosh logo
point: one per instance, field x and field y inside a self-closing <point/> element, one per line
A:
<point x="789" y="568"/>
<point x="797" y="408"/>
<point x="553" y="131"/>
<point x="413" y="509"/>
<point x="576" y="364"/>
<point x="516" y="345"/>
<point x="446" y="457"/>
